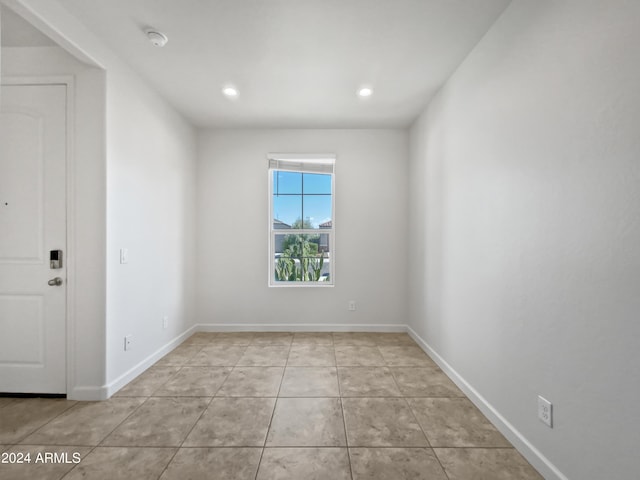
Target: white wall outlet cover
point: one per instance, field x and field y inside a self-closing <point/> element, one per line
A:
<point x="545" y="411"/>
<point x="124" y="255"/>
<point x="128" y="343"/>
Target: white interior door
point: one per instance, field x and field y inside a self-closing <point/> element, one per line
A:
<point x="32" y="223"/>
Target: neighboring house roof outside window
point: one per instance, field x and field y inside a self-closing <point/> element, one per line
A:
<point x="279" y="225"/>
<point x="326" y="224"/>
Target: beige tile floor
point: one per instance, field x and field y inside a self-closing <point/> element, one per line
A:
<point x="267" y="406"/>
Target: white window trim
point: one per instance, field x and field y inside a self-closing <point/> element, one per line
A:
<point x="323" y="163"/>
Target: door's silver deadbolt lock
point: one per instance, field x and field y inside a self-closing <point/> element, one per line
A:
<point x="55" y="282"/>
<point x="55" y="259"/>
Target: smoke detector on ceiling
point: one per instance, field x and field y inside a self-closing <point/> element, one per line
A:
<point x="157" y="38"/>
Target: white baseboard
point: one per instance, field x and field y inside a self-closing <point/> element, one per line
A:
<point x="88" y="394"/>
<point x="132" y="373"/>
<point x="541" y="463"/>
<point x="299" y="327"/>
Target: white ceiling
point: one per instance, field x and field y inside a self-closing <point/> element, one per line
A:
<point x="296" y="63"/>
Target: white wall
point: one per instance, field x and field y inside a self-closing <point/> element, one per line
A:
<point x="371" y="214"/>
<point x="150" y="211"/>
<point x="149" y="180"/>
<point x="525" y="200"/>
<point x="87" y="244"/>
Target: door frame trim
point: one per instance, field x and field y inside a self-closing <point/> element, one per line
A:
<point x="70" y="318"/>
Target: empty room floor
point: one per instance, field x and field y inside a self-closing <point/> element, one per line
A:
<point x="266" y="406"/>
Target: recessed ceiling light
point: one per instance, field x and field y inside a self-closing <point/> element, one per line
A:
<point x="230" y="91"/>
<point x="159" y="39"/>
<point x="365" y="92"/>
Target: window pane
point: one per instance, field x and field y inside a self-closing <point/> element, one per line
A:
<point x="317" y="210"/>
<point x="317" y="183"/>
<point x="287" y="182"/>
<point x="287" y="209"/>
<point x="302" y="258"/>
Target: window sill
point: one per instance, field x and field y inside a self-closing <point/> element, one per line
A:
<point x="301" y="285"/>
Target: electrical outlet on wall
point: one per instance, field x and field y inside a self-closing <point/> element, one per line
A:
<point x="545" y="411"/>
<point x="128" y="343"/>
<point x="165" y="321"/>
<point x="352" y="305"/>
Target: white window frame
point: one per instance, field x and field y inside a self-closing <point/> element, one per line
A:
<point x="304" y="163"/>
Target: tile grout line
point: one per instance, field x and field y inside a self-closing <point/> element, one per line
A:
<point x="427" y="437"/>
<point x="99" y="444"/>
<point x="186" y="436"/>
<point x="75" y="466"/>
<point x="233" y="367"/>
<point x="388" y="367"/>
<point x="344" y="421"/>
<point x="440" y="463"/>
<point x="273" y="412"/>
<point x="147" y="397"/>
<point x="47" y="422"/>
<point x="195" y="423"/>
<point x="203" y="411"/>
<point x="11" y="400"/>
<point x="395" y="381"/>
<point x="185" y="363"/>
<point x="155" y="389"/>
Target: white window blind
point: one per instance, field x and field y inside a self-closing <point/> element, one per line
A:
<point x="316" y="163"/>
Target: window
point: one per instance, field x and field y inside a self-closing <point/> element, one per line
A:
<point x="301" y="220"/>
